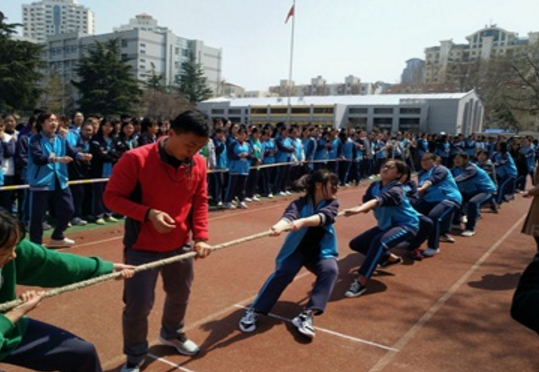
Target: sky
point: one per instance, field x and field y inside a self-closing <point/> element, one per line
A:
<point x="333" y="38"/>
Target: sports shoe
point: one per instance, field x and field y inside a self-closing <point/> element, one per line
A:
<point x="304" y="323"/>
<point x="184" y="345"/>
<point x="46" y="226"/>
<point x="243" y="205"/>
<point x="248" y="200"/>
<point x="288" y="193"/>
<point x="65" y="242"/>
<point x="132" y="367"/>
<point x="110" y="219"/>
<point x="230" y="206"/>
<point x="220" y="205"/>
<point x="100" y="221"/>
<point x="468" y="233"/>
<point x="282" y="193"/>
<point x="430" y="252"/>
<point x="356" y="289"/>
<point x="455" y="226"/>
<point x="270" y="195"/>
<point x="248" y="321"/>
<point x="446" y="238"/>
<point x="77" y="221"/>
<point x="256" y="198"/>
<point x="464" y="219"/>
<point x="386" y="262"/>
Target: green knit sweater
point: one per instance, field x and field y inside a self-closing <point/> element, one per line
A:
<point x="38" y="266"/>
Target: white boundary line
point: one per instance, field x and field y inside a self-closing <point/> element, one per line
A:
<point x="163" y="360"/>
<point x="409" y="335"/>
<point x="341" y="335"/>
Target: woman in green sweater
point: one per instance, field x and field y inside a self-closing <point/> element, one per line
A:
<point x="27" y="342"/>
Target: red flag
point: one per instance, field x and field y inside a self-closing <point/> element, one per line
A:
<point x="290" y="14"/>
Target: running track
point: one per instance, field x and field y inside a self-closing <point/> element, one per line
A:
<point x="447" y="313"/>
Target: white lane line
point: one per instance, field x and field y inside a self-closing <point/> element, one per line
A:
<point x="163" y="360"/>
<point x="324" y="330"/>
<point x="408" y="336"/>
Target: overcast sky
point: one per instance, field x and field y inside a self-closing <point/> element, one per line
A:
<point x="334" y="38"/>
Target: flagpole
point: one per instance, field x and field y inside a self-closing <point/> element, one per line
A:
<point x="289" y="110"/>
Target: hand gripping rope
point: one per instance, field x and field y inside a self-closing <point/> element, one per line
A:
<point x="152" y="265"/>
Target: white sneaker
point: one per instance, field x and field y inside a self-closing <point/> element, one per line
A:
<point x="248" y="199"/>
<point x="270" y="195"/>
<point x="464" y="219"/>
<point x="431" y="252"/>
<point x="220" y="205"/>
<point x="248" y="321"/>
<point x="242" y="205"/>
<point x="282" y="193"/>
<point x="230" y="206"/>
<point x="128" y="367"/>
<point x="184" y="345"/>
<point x="468" y="233"/>
<point x="46" y="226"/>
<point x="288" y="193"/>
<point x="66" y="242"/>
<point x="304" y="323"/>
<point x="256" y="198"/>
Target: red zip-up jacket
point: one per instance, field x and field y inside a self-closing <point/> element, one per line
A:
<point x="143" y="180"/>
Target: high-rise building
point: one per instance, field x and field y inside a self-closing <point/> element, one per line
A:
<point x="413" y="72"/>
<point x="319" y="87"/>
<point x="449" y="62"/>
<point x="147" y="47"/>
<point x="51" y="17"/>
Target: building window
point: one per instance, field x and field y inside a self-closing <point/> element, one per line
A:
<point x="259" y="111"/>
<point x="410" y="111"/>
<point x="142" y="45"/>
<point x="217" y="111"/>
<point x="323" y="110"/>
<point x="124" y="57"/>
<point x="123" y="43"/>
<point x="357" y="110"/>
<point x="384" y="111"/>
<point x="234" y="111"/>
<point x="278" y="110"/>
<point x="300" y="110"/>
<point x="142" y="52"/>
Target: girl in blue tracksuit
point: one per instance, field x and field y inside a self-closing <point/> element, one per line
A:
<point x="506" y="173"/>
<point x="105" y="154"/>
<point x="398" y="222"/>
<point x="269" y="149"/>
<point x="347" y="155"/>
<point x="239" y="164"/>
<point x="321" y="152"/>
<point x="311" y="243"/>
<point x="284" y="155"/>
<point x="476" y="188"/>
<point x="47" y="174"/>
<point x="221" y="163"/>
<point x="439" y="199"/>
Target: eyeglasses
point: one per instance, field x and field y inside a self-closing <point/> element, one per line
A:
<point x="389" y="166"/>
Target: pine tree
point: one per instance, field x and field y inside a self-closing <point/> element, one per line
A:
<point x="192" y="82"/>
<point x="19" y="65"/>
<point x="106" y="82"/>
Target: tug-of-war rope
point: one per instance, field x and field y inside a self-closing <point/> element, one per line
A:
<point x="149" y="266"/>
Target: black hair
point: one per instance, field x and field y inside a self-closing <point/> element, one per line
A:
<point x="503" y="147"/>
<point x="102" y="124"/>
<point x="401" y="166"/>
<point x="11" y="230"/>
<point x="41" y="119"/>
<point x="463" y="155"/>
<point x="483" y="151"/>
<point x="308" y="182"/>
<point x="192" y="121"/>
<point x="146" y="123"/>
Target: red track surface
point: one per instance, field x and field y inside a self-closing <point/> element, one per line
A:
<point x="447" y="313"/>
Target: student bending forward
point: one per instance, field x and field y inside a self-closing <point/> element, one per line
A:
<point x="311" y="243"/>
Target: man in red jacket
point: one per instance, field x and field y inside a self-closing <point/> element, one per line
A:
<point x="162" y="190"/>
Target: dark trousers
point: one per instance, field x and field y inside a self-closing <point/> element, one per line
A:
<point x="47" y="348"/>
<point x="281" y="179"/>
<point x="252" y="182"/>
<point x="218" y="186"/>
<point x="425" y="227"/>
<point x="139" y="297"/>
<point x="99" y="208"/>
<point x="326" y="272"/>
<point x="236" y="187"/>
<point x="344" y="171"/>
<point x="62" y="202"/>
<point x="375" y="242"/>
<point x="471" y="206"/>
<point x="506" y="186"/>
<point x="77" y="192"/>
<point x="441" y="214"/>
<point x="268" y="180"/>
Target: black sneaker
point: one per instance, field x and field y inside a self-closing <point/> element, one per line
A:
<point x="386" y="262"/>
<point x="356" y="289"/>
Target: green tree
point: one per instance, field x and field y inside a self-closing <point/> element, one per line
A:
<point x="155" y="81"/>
<point x="19" y="70"/>
<point x="192" y="82"/>
<point x="106" y="83"/>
